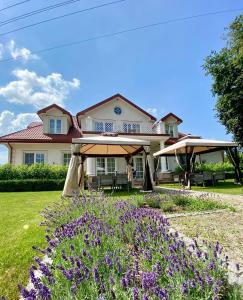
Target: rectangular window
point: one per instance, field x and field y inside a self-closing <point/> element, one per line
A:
<point x="105" y="165"/>
<point x="100" y="165"/>
<point x="55" y="126"/>
<point x="111" y="166"/>
<point x="32" y="158"/>
<point x="66" y="158"/>
<point x="108" y="127"/>
<point x="131" y="127"/>
<point x="39" y="158"/>
<point x="99" y="126"/>
<point x="138" y="166"/>
<point x="104" y="126"/>
<point x="169" y="129"/>
<point x="29" y="158"/>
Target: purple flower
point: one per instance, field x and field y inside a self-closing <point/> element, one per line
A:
<point x="124" y="283"/>
<point x="96" y="275"/>
<point x="184" y="288"/>
<point x="108" y="261"/>
<point x="135" y="293"/>
<point x="148" y="280"/>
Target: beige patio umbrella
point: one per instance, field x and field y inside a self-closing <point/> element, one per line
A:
<point x="98" y="146"/>
<point x="190" y="147"/>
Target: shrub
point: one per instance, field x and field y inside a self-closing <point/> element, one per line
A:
<point x="24" y="185"/>
<point x="215" y="167"/>
<point x="35" y="171"/>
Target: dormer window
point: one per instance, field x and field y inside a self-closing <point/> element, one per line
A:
<point x="169" y="129"/>
<point x="55" y="126"/>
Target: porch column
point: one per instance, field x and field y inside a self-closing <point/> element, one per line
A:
<point x="91" y="166"/>
<point x="163" y="159"/>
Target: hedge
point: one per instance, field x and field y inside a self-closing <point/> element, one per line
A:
<point x="20" y="185"/>
<point x="210" y="167"/>
<point x="35" y="171"/>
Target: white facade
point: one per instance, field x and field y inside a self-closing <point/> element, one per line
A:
<point x="53" y="153"/>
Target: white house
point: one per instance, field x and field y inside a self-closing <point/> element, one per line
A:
<point x="49" y="141"/>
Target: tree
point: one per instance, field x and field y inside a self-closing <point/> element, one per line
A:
<point x="226" y="69"/>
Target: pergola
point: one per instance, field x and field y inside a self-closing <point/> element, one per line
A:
<point x="186" y="151"/>
<point x="105" y="146"/>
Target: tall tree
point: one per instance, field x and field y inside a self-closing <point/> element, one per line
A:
<point x="226" y="69"/>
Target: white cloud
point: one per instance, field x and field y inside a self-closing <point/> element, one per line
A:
<point x="29" y="88"/>
<point x="153" y="111"/>
<point x="9" y="122"/>
<point x="1" y="51"/>
<point x="23" y="53"/>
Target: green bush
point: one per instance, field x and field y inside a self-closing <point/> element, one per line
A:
<point x="24" y="185"/>
<point x="209" y="167"/>
<point x="215" y="167"/>
<point x="35" y="171"/>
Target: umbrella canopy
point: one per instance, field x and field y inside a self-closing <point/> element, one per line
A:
<point x="198" y="146"/>
<point x="109" y="146"/>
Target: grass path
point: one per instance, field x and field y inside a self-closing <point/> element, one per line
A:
<point x="19" y="231"/>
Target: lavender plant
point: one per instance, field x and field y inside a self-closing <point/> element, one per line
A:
<point x="102" y="249"/>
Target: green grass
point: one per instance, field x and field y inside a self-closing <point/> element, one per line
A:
<point x="19" y="231"/>
<point x="227" y="187"/>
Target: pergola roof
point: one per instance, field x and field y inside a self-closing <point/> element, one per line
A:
<point x="198" y="146"/>
<point x="109" y="146"/>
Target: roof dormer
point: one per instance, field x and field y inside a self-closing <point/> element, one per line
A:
<point x="56" y="120"/>
<point x="169" y="125"/>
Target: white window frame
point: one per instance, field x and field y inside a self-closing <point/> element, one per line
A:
<point x="170" y="129"/>
<point x="131" y="127"/>
<point x="106" y="165"/>
<point x="135" y="165"/>
<point x="103" y="126"/>
<point x="35" y="153"/>
<point x="63" y="159"/>
<point x="55" y="125"/>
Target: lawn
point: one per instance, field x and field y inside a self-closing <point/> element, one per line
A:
<point x="227" y="187"/>
<point x="19" y="231"/>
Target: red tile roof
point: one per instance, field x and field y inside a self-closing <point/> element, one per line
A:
<point x="112" y="98"/>
<point x="34" y="134"/>
<point x="171" y="115"/>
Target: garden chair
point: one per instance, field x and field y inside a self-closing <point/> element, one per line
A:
<point x="121" y="181"/>
<point x="197" y="179"/>
<point x="219" y="176"/>
<point x="106" y="180"/>
<point x="208" y="178"/>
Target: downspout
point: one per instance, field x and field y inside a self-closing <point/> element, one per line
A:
<point x="10" y="153"/>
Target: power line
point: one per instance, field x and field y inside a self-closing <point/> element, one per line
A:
<point x="10" y="6"/>
<point x="61" y="16"/>
<point x="125" y="31"/>
<point x="37" y="11"/>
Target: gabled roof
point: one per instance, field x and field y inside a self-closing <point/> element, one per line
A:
<point x="171" y="115"/>
<point x="35" y="134"/>
<point x="112" y="98"/>
<point x="45" y="109"/>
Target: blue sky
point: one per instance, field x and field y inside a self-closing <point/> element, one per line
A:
<point x="158" y="68"/>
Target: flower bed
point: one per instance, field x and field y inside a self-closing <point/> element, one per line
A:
<point x="114" y="250"/>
